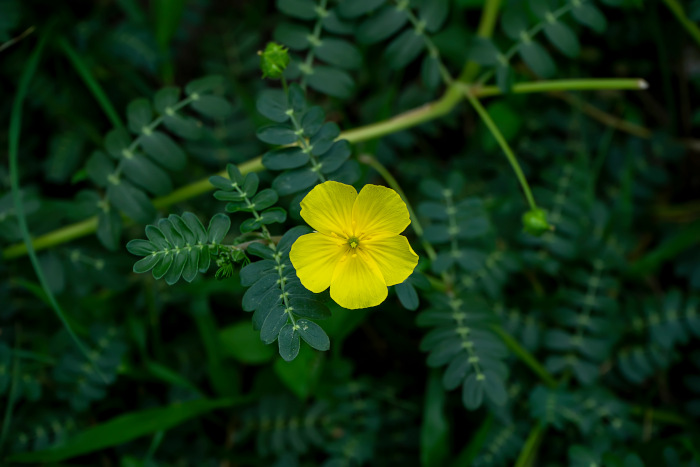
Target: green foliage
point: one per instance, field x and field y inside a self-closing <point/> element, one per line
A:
<point x="555" y="328"/>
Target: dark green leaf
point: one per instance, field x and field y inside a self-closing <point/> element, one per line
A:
<point x="271" y="327"/>
<point x="157" y="237"/>
<point x="131" y="201"/>
<point x="294" y="180"/>
<point x="146" y="264"/>
<point x="212" y="106"/>
<point x="332" y="23"/>
<point x="166" y="98"/>
<point x="117" y="142"/>
<point x="141" y="247"/>
<point x="163" y="150"/>
<point x="184" y="127"/>
<point x="434" y="13"/>
<point x="537" y="58"/>
<point x="176" y="269"/>
<point x="294" y="36"/>
<point x="563" y="38"/>
<point x="109" y="227"/>
<point x="139" y="114"/>
<point x="250" y="225"/>
<point x="404" y="49"/>
<point x="472" y="392"/>
<point x="146" y="174"/>
<point x="514" y="23"/>
<point x="324" y="139"/>
<point x="192" y="264"/>
<point x="288" y="342"/>
<point x="218" y="228"/>
<point x="495" y="388"/>
<point x="430" y="72"/>
<point x="196" y="226"/>
<point x="331" y="81"/>
<point x="277" y="134"/>
<point x="285" y="158"/>
<point x="313" y="120"/>
<point x="99" y="167"/>
<point x="260" y="250"/>
<point x="206" y="84"/>
<point x="339" y="52"/>
<point x="382" y="24"/>
<point x="272" y="104"/>
<point x="483" y="51"/>
<point x="332" y="159"/>
<point x="587" y="14"/>
<point x="407" y="295"/>
<point x="302" y="9"/>
<point x="355" y="8"/>
<point x="264" y="199"/>
<point x="290" y="237"/>
<point x="162" y="268"/>
<point x="172" y="235"/>
<point x="313" y="334"/>
<point x="254" y="271"/>
<point x="272" y="215"/>
<point x="183" y="229"/>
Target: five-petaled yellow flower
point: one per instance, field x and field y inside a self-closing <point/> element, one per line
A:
<point x="356" y="249"/>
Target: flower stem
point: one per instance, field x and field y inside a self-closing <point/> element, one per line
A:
<point x="532" y="445"/>
<point x="487" y="23"/>
<point x="526" y="357"/>
<point x="393" y="183"/>
<point x="504" y="146"/>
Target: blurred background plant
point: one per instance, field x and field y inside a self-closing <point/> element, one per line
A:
<point x="556" y="297"/>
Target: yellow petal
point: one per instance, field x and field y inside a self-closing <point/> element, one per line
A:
<point x="315" y="257"/>
<point x="328" y="208"/>
<point x="394" y="257"/>
<point x="357" y="282"/>
<point x="379" y="211"/>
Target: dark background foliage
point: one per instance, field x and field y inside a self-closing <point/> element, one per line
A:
<point x="574" y="347"/>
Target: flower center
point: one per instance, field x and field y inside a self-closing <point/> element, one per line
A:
<point x="354" y="242"/>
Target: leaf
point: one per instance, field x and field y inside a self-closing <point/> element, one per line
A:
<point x="588" y="15"/>
<point x="176" y="269"/>
<point x="563" y="38"/>
<point x="324" y="139"/>
<point x="472" y="392"/>
<point x="166" y="98"/>
<point x="334" y="158"/>
<point x="206" y="84"/>
<point x="301" y="9"/>
<point x="242" y="343"/>
<point x="131" y="201"/>
<point x="407" y="295"/>
<point x="355" y="8"/>
<point x="381" y="25"/>
<point x="313" y="334"/>
<point x="146" y="264"/>
<point x="495" y="388"/>
<point x="184" y="127"/>
<point x="146" y="174"/>
<point x="430" y="72"/>
<point x="99" y="167"/>
<point x="285" y="158"/>
<point x="272" y="103"/>
<point x="219" y="226"/>
<point x="537" y="58"/>
<point x="273" y="324"/>
<point x="109" y="228"/>
<point x="196" y="226"/>
<point x="163" y="150"/>
<point x="292" y="181"/>
<point x="404" y="49"/>
<point x="288" y="343"/>
<point x="483" y="51"/>
<point x="116" y="142"/>
<point x="212" y="106"/>
<point x="434" y="13"/>
<point x="139" y="115"/>
<point x="313" y="121"/>
<point x="251" y="273"/>
<point x="504" y="77"/>
<point x="331" y="81"/>
<point x="277" y="134"/>
<point x="434" y="439"/>
<point x="294" y="36"/>
<point x="339" y="52"/>
<point x="514" y="23"/>
<point x="302" y="374"/>
<point x="124" y="428"/>
<point x="273" y="215"/>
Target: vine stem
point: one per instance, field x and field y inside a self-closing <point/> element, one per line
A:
<point x="504" y="146"/>
<point x="91" y="83"/>
<point x="12" y="397"/>
<point x="13" y="156"/>
<point x="430" y="111"/>
<point x="532" y="444"/>
<point x="487" y="23"/>
<point x="393" y="183"/>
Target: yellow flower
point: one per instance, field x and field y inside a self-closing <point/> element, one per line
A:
<point x="356" y="249"/>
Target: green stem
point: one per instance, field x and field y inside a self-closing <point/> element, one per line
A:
<point x="526" y="357"/>
<point x="91" y="83"/>
<point x="690" y="26"/>
<point x="393" y="183"/>
<point x="504" y="146"/>
<point x="686" y="238"/>
<point x="532" y="445"/>
<point x="562" y="85"/>
<point x="453" y="95"/>
<point x="313" y="40"/>
<point x="669" y="418"/>
<point x="13" y="155"/>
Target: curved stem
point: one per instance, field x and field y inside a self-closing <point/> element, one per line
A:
<point x="393" y="183"/>
<point x="691" y="27"/>
<point x="504" y="146"/>
<point x="453" y="96"/>
<point x="91" y="83"/>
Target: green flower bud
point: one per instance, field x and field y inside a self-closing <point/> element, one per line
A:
<point x="273" y="60"/>
<point x="535" y="222"/>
